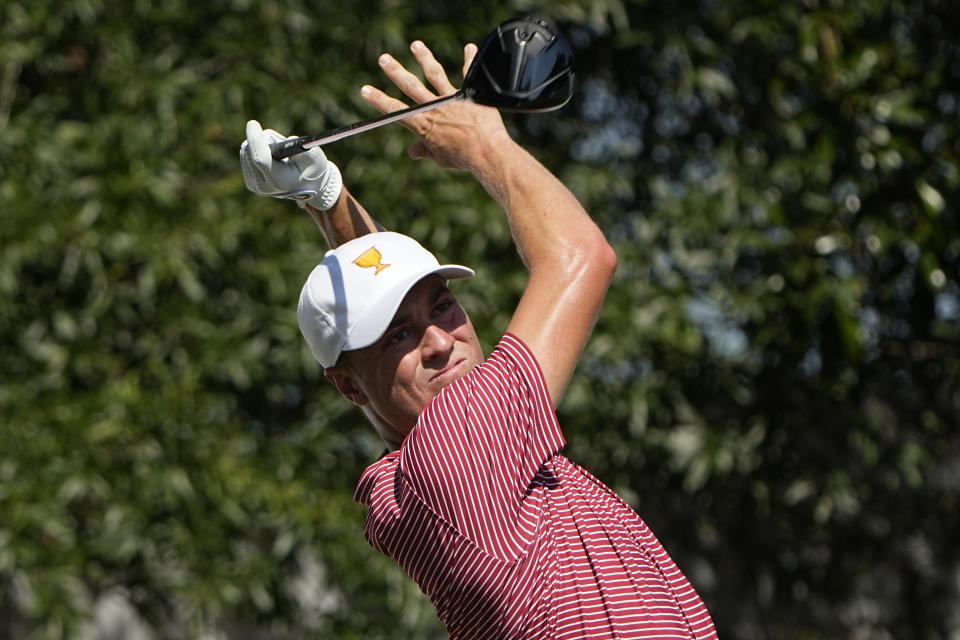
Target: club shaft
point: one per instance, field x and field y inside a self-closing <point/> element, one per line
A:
<point x="292" y="147"/>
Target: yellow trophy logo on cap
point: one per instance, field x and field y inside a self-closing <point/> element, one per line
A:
<point x="371" y="258"/>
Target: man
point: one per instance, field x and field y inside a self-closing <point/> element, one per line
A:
<point x="507" y="537"/>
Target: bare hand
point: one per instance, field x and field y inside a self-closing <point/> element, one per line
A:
<point x="454" y="136"/>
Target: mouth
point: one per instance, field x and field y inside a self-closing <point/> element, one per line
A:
<point x="451" y="372"/>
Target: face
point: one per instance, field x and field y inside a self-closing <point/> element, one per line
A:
<point x="429" y="344"/>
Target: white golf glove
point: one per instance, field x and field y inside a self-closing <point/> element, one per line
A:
<point x="308" y="178"/>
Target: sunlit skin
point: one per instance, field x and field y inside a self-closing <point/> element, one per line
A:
<point x="429" y="344"/>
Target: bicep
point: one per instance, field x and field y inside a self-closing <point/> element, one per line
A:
<point x="558" y="309"/>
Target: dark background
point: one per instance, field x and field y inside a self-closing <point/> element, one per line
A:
<point x="773" y="382"/>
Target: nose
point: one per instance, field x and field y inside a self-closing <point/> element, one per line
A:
<point x="436" y="344"/>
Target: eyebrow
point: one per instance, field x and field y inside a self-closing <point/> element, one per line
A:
<point x="402" y="318"/>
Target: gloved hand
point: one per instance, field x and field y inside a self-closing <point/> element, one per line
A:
<point x="306" y="177"/>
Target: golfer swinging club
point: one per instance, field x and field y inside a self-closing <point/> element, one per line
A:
<point x="507" y="537"/>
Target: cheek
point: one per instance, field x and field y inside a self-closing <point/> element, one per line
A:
<point x="404" y="374"/>
<point x="381" y="379"/>
<point x="466" y="333"/>
<point x="458" y="324"/>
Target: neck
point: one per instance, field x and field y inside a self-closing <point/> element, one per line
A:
<point x="389" y="434"/>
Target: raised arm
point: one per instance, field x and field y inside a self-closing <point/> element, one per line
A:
<point x="309" y="179"/>
<point x="346" y="220"/>
<point x="570" y="262"/>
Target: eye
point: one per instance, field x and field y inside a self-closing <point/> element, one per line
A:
<point x="443" y="306"/>
<point x="398" y="335"/>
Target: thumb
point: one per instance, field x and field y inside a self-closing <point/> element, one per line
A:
<point x="253" y="130"/>
<point x="257" y="144"/>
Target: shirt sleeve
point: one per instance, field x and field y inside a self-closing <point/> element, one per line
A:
<point x="480" y="446"/>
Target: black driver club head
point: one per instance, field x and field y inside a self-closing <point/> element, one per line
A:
<point x="524" y="65"/>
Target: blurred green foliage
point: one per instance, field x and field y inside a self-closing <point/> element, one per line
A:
<point x="774" y="381"/>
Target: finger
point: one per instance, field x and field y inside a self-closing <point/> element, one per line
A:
<point x="432" y="70"/>
<point x="408" y="83"/>
<point x="469" y="53"/>
<point x="379" y="100"/>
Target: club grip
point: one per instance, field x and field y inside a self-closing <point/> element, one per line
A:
<point x="286" y="148"/>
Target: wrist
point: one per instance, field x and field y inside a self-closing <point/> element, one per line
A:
<point x="498" y="161"/>
<point x="328" y="191"/>
<point x="491" y="154"/>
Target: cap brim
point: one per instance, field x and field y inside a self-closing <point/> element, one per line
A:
<point x="368" y="329"/>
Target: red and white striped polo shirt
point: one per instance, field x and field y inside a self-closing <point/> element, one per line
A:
<point x="508" y="538"/>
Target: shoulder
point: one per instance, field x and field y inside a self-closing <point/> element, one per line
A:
<point x="375" y="477"/>
<point x="500" y="399"/>
<point x="511" y="363"/>
<point x="509" y="374"/>
<point x="514" y="350"/>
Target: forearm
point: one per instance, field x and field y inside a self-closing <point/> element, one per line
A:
<point x="549" y="225"/>
<point x="346" y="220"/>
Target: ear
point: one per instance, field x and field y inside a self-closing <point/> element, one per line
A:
<point x="343" y="380"/>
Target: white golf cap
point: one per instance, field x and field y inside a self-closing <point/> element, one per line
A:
<point x="350" y="298"/>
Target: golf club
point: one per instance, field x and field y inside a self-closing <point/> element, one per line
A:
<point x="524" y="65"/>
